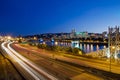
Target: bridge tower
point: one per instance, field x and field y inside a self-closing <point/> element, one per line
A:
<point x="113" y="42"/>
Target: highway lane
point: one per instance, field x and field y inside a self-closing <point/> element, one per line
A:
<point x="55" y="67"/>
<point x="99" y="64"/>
<point x="31" y="63"/>
<point x="28" y="66"/>
<point x="21" y="63"/>
<point x="102" y="65"/>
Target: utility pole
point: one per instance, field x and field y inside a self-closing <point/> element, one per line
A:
<point x="113" y="43"/>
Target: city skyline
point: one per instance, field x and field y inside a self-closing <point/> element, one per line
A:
<point x="34" y="17"/>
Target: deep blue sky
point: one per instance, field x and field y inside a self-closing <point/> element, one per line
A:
<point x="43" y="16"/>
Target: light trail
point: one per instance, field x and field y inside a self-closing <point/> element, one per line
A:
<point x="30" y="64"/>
<point x="20" y="62"/>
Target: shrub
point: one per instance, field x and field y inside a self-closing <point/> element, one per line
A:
<point x="70" y="50"/>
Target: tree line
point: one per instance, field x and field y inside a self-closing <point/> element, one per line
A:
<point x="67" y="50"/>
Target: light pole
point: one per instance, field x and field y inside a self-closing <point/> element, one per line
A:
<point x="113" y="42"/>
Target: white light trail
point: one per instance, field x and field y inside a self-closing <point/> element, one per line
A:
<point x="31" y="63"/>
<point x="20" y="62"/>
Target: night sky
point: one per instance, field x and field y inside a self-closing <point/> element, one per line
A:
<point x="24" y="17"/>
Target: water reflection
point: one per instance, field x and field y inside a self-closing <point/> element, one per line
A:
<point x="85" y="47"/>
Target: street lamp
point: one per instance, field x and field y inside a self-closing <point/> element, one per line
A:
<point x="9" y="37"/>
<point x="35" y="38"/>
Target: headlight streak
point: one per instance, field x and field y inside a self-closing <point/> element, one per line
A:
<point x="20" y="62"/>
<point x="24" y="61"/>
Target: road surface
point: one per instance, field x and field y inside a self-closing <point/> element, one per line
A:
<point x="28" y="69"/>
<point x="54" y="66"/>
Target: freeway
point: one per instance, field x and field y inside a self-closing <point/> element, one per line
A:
<point x="26" y="67"/>
<point x="55" y="67"/>
<point x="99" y="64"/>
<point x="93" y="63"/>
